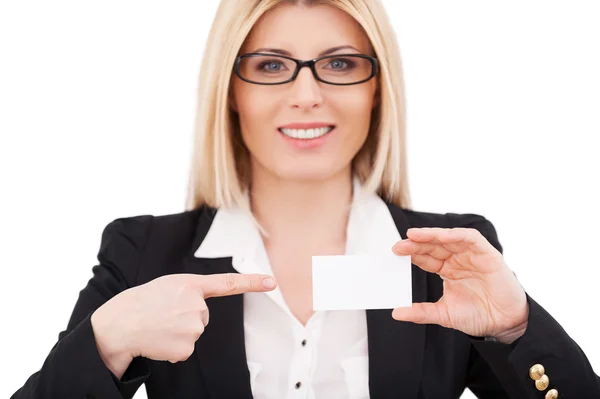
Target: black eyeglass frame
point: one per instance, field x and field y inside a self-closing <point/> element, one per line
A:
<point x="309" y="63"/>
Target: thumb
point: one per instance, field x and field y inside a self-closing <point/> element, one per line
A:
<point x="420" y="313"/>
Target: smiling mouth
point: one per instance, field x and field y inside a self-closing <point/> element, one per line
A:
<point x="306" y="134"/>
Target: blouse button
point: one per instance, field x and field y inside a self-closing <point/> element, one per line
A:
<point x="303" y="342"/>
<point x="298" y="385"/>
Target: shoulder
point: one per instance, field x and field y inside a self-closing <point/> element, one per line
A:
<point x="132" y="234"/>
<point x="128" y="242"/>
<point x="138" y="227"/>
<point x="414" y="218"/>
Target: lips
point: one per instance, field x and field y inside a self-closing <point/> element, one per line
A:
<point x="306" y="125"/>
<point x="306" y="130"/>
<point x="306" y="134"/>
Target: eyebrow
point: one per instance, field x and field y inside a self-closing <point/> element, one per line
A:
<point x="322" y="53"/>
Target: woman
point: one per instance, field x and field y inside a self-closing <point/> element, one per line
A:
<point x="292" y="162"/>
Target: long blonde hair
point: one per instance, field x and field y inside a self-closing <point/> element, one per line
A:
<point x="219" y="173"/>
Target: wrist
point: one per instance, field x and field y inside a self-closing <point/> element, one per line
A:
<point x="110" y="345"/>
<point x="518" y="325"/>
<point x="509" y="336"/>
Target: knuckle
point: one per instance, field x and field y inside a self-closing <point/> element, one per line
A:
<point x="230" y="282"/>
<point x="186" y="352"/>
<point x="475" y="232"/>
<point x="178" y="354"/>
<point x="188" y="285"/>
<point x="199" y="331"/>
<point x="202" y="307"/>
<point x="205" y="318"/>
<point x="190" y="349"/>
<point x="182" y="291"/>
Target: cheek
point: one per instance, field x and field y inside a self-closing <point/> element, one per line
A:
<point x="256" y="111"/>
<point x="354" y="109"/>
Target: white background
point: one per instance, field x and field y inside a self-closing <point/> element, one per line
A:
<point x="96" y="110"/>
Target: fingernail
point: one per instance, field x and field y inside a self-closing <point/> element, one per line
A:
<point x="268" y="283"/>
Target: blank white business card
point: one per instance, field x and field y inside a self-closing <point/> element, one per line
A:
<point x="345" y="282"/>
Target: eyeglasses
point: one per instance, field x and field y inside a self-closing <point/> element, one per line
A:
<point x="339" y="69"/>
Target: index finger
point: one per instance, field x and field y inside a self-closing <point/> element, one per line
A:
<point x="456" y="239"/>
<point x="224" y="284"/>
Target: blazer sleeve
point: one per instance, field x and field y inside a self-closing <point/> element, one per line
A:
<point x="74" y="368"/>
<point x="500" y="370"/>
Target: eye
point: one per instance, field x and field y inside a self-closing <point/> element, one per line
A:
<point x="270" y="66"/>
<point x="341" y="64"/>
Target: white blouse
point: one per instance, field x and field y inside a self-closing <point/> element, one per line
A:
<point x="327" y="358"/>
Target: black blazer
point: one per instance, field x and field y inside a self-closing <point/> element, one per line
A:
<point x="406" y="360"/>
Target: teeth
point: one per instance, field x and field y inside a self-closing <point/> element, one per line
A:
<point x="306" y="134"/>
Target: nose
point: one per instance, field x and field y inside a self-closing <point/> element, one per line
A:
<point x="305" y="92"/>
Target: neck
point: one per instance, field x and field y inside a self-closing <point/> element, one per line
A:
<point x="311" y="213"/>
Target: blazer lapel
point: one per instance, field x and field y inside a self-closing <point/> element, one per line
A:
<point x="396" y="348"/>
<point x="220" y="351"/>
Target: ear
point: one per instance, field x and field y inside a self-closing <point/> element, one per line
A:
<point x="376" y="97"/>
<point x="232" y="102"/>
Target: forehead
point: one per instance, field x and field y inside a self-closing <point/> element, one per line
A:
<point x="306" y="30"/>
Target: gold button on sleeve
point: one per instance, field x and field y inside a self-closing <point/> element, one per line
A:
<point x="536" y="372"/>
<point x="542" y="383"/>
<point x="551" y="394"/>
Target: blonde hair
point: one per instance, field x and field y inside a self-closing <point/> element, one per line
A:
<point x="219" y="173"/>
